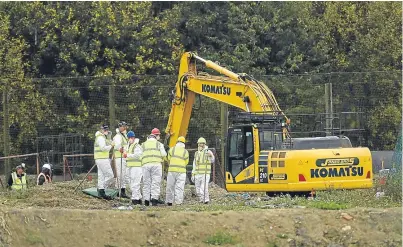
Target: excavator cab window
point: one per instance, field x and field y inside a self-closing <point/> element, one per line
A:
<point x="239" y="149"/>
<point x="269" y="139"/>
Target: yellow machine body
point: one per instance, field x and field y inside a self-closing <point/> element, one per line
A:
<point x="259" y="165"/>
<point x="288" y="170"/>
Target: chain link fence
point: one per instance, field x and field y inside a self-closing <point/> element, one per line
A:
<point x="60" y="116"/>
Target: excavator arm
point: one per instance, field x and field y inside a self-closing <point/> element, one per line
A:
<point x="239" y="90"/>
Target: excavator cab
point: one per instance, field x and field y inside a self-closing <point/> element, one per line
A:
<point x="250" y="134"/>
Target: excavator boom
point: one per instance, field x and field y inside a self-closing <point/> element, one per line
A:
<point x="239" y="90"/>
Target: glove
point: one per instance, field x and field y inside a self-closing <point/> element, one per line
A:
<point x="192" y="178"/>
<point x="121" y="150"/>
<point x="125" y="155"/>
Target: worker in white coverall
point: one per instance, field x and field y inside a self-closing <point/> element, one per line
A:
<point x="120" y="140"/>
<point x="133" y="160"/>
<point x="151" y="161"/>
<point x="201" y="171"/>
<point x="178" y="158"/>
<point x="103" y="144"/>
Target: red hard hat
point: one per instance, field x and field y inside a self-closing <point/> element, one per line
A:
<point x="155" y="131"/>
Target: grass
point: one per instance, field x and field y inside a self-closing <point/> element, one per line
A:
<point x="33" y="239"/>
<point x="272" y="244"/>
<point x="220" y="238"/>
<point x="328" y="205"/>
<point x="283" y="236"/>
<point x="61" y="195"/>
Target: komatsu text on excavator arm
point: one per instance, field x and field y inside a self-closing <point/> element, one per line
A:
<point x="239" y="90"/>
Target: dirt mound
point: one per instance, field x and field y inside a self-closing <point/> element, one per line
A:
<point x="264" y="227"/>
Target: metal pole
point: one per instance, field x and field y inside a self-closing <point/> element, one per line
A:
<point x="331" y="107"/>
<point x="120" y="179"/>
<point x="224" y="129"/>
<point x="112" y="113"/>
<point x="64" y="168"/>
<point x="37" y="164"/>
<point x="6" y="139"/>
<point x="327" y="107"/>
<point x="85" y="177"/>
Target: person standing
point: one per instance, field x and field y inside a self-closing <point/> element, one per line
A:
<point x="202" y="169"/>
<point x="151" y="161"/>
<point x="120" y="140"/>
<point x="18" y="179"/>
<point x="133" y="161"/>
<point x="178" y="158"/>
<point x="102" y="147"/>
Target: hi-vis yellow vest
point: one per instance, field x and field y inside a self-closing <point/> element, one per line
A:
<point x="123" y="144"/>
<point x="178" y="159"/>
<point x="203" y="165"/>
<point x="98" y="153"/>
<point x="151" y="152"/>
<point x="19" y="184"/>
<point x="132" y="162"/>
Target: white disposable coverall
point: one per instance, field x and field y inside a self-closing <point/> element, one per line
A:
<point x="121" y="162"/>
<point x="152" y="173"/>
<point x="136" y="173"/>
<point x="105" y="173"/>
<point x="175" y="184"/>
<point x="202" y="180"/>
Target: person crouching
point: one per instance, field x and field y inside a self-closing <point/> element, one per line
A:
<point x="45" y="176"/>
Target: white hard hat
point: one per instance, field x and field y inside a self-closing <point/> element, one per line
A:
<point x="23" y="165"/>
<point x="47" y="166"/>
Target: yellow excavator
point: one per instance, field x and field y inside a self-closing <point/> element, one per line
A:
<point x="260" y="154"/>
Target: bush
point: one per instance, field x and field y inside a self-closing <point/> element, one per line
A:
<point x="393" y="186"/>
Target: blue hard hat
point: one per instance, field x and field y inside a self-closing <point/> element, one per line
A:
<point x="130" y="134"/>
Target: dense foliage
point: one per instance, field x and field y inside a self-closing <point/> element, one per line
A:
<point x="86" y="46"/>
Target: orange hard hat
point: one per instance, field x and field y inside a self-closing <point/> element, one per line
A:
<point x="155" y="131"/>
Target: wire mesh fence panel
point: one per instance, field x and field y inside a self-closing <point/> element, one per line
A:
<point x="60" y="116"/>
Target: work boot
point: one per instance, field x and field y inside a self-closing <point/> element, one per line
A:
<point x="136" y="202"/>
<point x="169" y="204"/>
<point x="205" y="202"/>
<point x="147" y="203"/>
<point x="159" y="201"/>
<point x="101" y="193"/>
<point x="123" y="193"/>
<point x="154" y="202"/>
